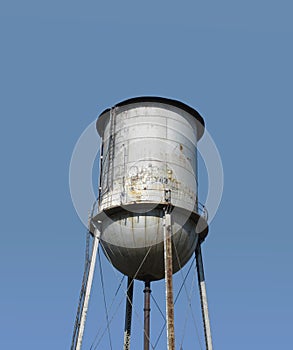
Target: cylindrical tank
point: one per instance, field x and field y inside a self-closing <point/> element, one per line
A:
<point x="148" y="164"/>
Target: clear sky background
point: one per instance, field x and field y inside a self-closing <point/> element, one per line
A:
<point x="62" y="63"/>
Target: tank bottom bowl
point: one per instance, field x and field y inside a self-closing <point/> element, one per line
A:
<point x="134" y="242"/>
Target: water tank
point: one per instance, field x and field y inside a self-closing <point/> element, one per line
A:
<point x="148" y="163"/>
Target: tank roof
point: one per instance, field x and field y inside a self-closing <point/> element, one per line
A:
<point x="156" y="99"/>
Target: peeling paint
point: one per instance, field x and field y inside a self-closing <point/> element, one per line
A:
<point x="154" y="151"/>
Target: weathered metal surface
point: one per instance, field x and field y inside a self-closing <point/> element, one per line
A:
<point x="169" y="282"/>
<point x="141" y="234"/>
<point x="128" y="314"/>
<point x="148" y="147"/>
<point x="203" y="299"/>
<point x="84" y="309"/>
<point x="147" y="310"/>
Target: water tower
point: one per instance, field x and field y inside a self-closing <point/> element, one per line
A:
<point x="148" y="218"/>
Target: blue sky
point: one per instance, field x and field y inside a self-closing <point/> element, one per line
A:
<point x="62" y="63"/>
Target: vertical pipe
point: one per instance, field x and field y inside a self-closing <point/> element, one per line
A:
<point x="169" y="283"/>
<point x="203" y="298"/>
<point x="147" y="309"/>
<point x="88" y="290"/>
<point x="101" y="169"/>
<point x="128" y="313"/>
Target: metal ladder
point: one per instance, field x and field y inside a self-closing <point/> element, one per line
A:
<point x="111" y="149"/>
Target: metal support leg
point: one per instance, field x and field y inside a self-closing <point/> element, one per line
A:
<point x="147" y="309"/>
<point x="88" y="287"/>
<point x="128" y="313"/>
<point x="169" y="282"/>
<point x="203" y="298"/>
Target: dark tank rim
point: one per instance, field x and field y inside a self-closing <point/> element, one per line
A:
<point x="156" y="99"/>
